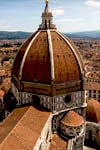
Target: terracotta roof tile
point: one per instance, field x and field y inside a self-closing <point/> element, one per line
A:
<point x="38" y="58"/>
<point x="20" y="54"/>
<point x="45" y="58"/>
<point x="58" y="143"/>
<point x="92" y="86"/>
<point x="93" y="111"/>
<point x="22" y="131"/>
<point x="8" y="124"/>
<point x="72" y="119"/>
<point x="63" y="55"/>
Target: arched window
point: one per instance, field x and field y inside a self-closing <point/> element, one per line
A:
<point x="49" y="23"/>
<point x="46" y="24"/>
<point x="67" y="99"/>
<point x="90" y="135"/>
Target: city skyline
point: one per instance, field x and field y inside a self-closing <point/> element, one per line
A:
<point x="69" y="16"/>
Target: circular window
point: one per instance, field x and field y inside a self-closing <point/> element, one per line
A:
<point x="67" y="99"/>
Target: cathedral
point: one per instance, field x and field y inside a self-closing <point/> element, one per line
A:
<point x="48" y="84"/>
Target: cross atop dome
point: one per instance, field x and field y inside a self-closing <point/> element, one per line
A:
<point x="47" y="18"/>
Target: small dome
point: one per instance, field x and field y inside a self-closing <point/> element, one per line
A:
<point x="93" y="111"/>
<point x="72" y="119"/>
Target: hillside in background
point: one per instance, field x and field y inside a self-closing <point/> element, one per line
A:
<point x="24" y="35"/>
<point x="87" y="34"/>
<point x="14" y="35"/>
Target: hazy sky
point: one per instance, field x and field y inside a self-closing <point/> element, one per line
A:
<point x="69" y="15"/>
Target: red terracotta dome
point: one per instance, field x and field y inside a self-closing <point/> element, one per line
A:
<point x="93" y="111"/>
<point x="47" y="59"/>
<point x="72" y="119"/>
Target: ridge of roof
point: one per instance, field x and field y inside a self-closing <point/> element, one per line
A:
<point x="29" y="126"/>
